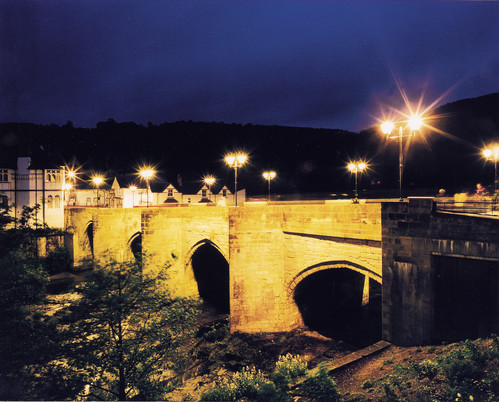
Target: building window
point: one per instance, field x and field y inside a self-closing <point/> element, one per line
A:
<point x="170" y="193"/>
<point x="49" y="202"/>
<point x="4" y="175"/>
<point x="52" y="175"/>
<point x="4" y="202"/>
<point x="89" y="201"/>
<point x="224" y="192"/>
<point x="57" y="201"/>
<point x="203" y="193"/>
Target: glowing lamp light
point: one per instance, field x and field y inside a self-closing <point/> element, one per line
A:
<point x="355" y="168"/>
<point x="241" y="158"/>
<point x="492" y="154"/>
<point x="387" y="127"/>
<point x="133" y="188"/>
<point x="415" y="122"/>
<point x="97" y="180"/>
<point x="209" y="180"/>
<point x="67" y="186"/>
<point x="147" y="173"/>
<point x="236" y="161"/>
<point x="269" y="175"/>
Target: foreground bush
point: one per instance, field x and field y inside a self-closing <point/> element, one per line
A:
<point x="466" y="371"/>
<point x="252" y="384"/>
<point x="248" y="384"/>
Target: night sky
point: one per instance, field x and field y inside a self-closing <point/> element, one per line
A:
<point x="327" y="64"/>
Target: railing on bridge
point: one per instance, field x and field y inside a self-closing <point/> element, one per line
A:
<point x="469" y="205"/>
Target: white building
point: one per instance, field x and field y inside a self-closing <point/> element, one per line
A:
<point x="28" y="185"/>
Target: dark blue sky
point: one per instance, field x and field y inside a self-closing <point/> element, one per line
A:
<point x="299" y="63"/>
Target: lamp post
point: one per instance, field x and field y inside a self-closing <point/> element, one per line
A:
<point x="209" y="180"/>
<point x="133" y="188"/>
<point x="97" y="180"/>
<point x="269" y="176"/>
<point x="236" y="161"/>
<point x="414" y="124"/>
<point x="355" y="168"/>
<point x="492" y="153"/>
<point x="147" y="174"/>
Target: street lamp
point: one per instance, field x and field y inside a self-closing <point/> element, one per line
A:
<point x="355" y="168"/>
<point x="97" y="180"/>
<point x="133" y="188"/>
<point x="71" y="174"/>
<point x="209" y="180"/>
<point x="147" y="174"/>
<point x="236" y="161"/>
<point x="492" y="153"/>
<point x="414" y="123"/>
<point x="269" y="176"/>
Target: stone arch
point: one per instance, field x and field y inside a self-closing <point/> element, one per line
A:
<point x="89" y="232"/>
<point x="340" y="300"/>
<point x="135" y="245"/>
<point x="195" y="247"/>
<point x="330" y="265"/>
<point x="207" y="269"/>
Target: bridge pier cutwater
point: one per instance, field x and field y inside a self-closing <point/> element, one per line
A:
<point x="270" y="252"/>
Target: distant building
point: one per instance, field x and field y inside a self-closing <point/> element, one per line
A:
<point x="26" y="183"/>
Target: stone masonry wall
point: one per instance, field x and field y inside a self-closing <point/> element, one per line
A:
<point x="413" y="232"/>
<point x="112" y="230"/>
<point x="171" y="236"/>
<point x="271" y="247"/>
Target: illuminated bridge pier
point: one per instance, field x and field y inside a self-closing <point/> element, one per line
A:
<point x="376" y="269"/>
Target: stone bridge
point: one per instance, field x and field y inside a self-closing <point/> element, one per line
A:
<point x="270" y="249"/>
<point x="276" y="268"/>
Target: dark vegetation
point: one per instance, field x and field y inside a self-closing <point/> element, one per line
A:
<point x="306" y="159"/>
<point x="120" y="338"/>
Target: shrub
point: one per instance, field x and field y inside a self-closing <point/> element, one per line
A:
<point x="248" y="383"/>
<point x="291" y="366"/>
<point x="425" y="369"/>
<point x="287" y="368"/>
<point x="463" y="365"/>
<point x="58" y="261"/>
<point x="320" y="386"/>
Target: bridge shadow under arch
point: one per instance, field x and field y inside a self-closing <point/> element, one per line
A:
<point x="211" y="271"/>
<point x="341" y="301"/>
<point x="135" y="244"/>
<point x="89" y="231"/>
